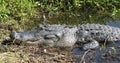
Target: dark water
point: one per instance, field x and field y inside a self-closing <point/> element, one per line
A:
<point x="115" y="24"/>
<point x="108" y="54"/>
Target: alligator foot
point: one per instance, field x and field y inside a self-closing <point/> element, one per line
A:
<point x="92" y="45"/>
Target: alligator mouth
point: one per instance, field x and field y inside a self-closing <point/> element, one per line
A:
<point x="33" y="38"/>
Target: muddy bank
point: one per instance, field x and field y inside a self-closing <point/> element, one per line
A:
<point x="44" y="54"/>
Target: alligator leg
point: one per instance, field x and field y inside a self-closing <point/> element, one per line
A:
<point x="91" y="45"/>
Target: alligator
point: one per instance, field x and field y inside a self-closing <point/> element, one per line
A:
<point x="68" y="35"/>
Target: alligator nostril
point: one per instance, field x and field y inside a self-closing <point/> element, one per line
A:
<point x="12" y="35"/>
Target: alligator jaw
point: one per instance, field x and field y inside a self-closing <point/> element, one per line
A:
<point x="15" y="35"/>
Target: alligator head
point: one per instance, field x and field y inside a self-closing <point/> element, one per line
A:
<point x="53" y="35"/>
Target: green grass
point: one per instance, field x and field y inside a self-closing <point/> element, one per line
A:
<point x="24" y="14"/>
<point x="78" y="6"/>
<point x="17" y="12"/>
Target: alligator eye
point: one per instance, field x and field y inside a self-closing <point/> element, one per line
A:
<point x="40" y="29"/>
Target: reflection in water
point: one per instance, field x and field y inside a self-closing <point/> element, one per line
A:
<point x="116" y="24"/>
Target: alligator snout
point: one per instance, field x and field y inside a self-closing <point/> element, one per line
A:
<point x="21" y="36"/>
<point x="15" y="35"/>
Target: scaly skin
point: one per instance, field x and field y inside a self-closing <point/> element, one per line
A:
<point x="64" y="35"/>
<point x="99" y="32"/>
